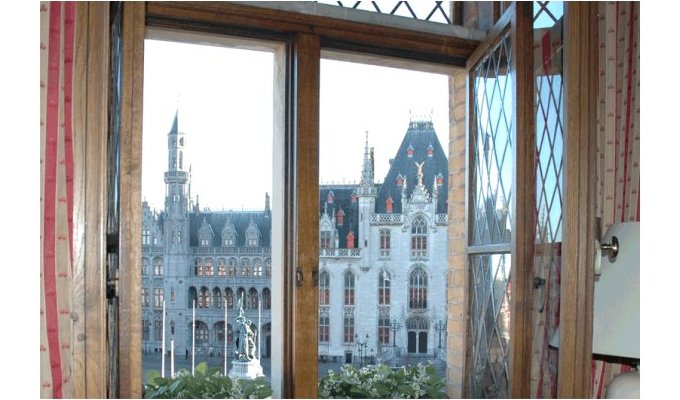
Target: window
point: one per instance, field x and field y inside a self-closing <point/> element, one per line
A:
<point x="158" y="266"/>
<point x="232" y="266"/>
<point x="419" y="237"/>
<point x="266" y="299"/>
<point x="221" y="267"/>
<point x="198" y="267"/>
<point x="204" y="298"/>
<point x="217" y="297"/>
<point x="349" y="288"/>
<point x="384" y="288"/>
<point x="172" y="327"/>
<point x="324" y="327"/>
<point x="384" y="243"/>
<point x="348" y="329"/>
<point x="245" y="270"/>
<point x="157" y="330"/>
<point x="208" y="267"/>
<point x="241" y="296"/>
<point x="252" y="234"/>
<point x="146" y="236"/>
<point x="201" y="333"/>
<point x="257" y="267"/>
<point x="219" y="331"/>
<point x="158" y="297"/>
<point x="230" y="297"/>
<point x="146" y="327"/>
<point x="325" y="240"/>
<point x="252" y="299"/>
<point x="384" y="326"/>
<point x="192" y="298"/>
<point x="417" y="290"/>
<point x="205" y="242"/>
<point x="172" y="294"/>
<point x="324" y="288"/>
<point x="145" y="297"/>
<point x="145" y="266"/>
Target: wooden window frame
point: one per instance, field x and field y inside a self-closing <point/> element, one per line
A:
<point x="305" y="36"/>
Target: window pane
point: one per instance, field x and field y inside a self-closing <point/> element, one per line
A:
<point x="208" y="145"/>
<point x="382" y="216"/>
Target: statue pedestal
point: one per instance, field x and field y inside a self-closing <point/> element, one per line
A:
<point x="245" y="369"/>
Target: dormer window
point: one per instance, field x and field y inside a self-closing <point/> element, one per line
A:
<point x="330" y="197"/>
<point x="205" y="234"/>
<point x="440" y="179"/>
<point x="388" y="204"/>
<point x="430" y="151"/>
<point x="409" y="151"/>
<point x="252" y="235"/>
<point x="228" y="235"/>
<point x="340" y="217"/>
<point x="400" y="180"/>
<point x="350" y="240"/>
<point x="354" y="197"/>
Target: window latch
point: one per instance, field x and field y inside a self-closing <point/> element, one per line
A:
<point x="299" y="276"/>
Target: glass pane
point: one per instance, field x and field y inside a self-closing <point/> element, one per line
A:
<point x="490" y="325"/>
<point x="206" y="213"/>
<point x="491" y="221"/>
<point x="432" y="11"/>
<point x="548" y="52"/>
<point x="383" y="222"/>
<point x="491" y="147"/>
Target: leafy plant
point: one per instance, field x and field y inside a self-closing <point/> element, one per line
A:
<point x="383" y="382"/>
<point x="207" y="383"/>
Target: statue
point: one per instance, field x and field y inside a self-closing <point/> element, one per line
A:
<point x="246" y="337"/>
<point x="420" y="172"/>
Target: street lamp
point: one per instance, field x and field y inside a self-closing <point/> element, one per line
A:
<point x="441" y="326"/>
<point x="361" y="346"/>
<point x="394" y="327"/>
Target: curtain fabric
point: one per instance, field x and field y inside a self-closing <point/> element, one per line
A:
<point x="618" y="152"/>
<point x="57" y="38"/>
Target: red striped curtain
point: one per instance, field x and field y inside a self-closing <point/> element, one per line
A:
<point x="618" y="152"/>
<point x="57" y="28"/>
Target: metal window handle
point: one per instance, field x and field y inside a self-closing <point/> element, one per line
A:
<point x="299" y="276"/>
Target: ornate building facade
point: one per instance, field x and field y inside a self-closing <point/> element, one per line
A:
<point x="382" y="273"/>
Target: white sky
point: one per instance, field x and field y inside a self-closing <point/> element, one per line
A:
<point x="226" y="110"/>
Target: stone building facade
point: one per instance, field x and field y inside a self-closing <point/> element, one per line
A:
<point x="382" y="260"/>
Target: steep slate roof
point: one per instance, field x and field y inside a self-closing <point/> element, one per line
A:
<point x="420" y="135"/>
<point x="343" y="198"/>
<point x="240" y="219"/>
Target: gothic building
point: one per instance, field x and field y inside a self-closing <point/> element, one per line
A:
<point x="383" y="248"/>
<point x="203" y="258"/>
<point x="382" y="272"/>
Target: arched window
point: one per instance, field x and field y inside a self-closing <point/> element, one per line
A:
<point x="241" y="294"/>
<point x="217" y="297"/>
<point x="325" y="239"/>
<point x="198" y="267"/>
<point x="417" y="289"/>
<point x="229" y="234"/>
<point x="348" y="328"/>
<point x="384" y="325"/>
<point x="257" y="267"/>
<point x="266" y="299"/>
<point x="230" y="336"/>
<point x="324" y="327"/>
<point x="145" y="297"/>
<point x="417" y="324"/>
<point x="145" y="266"/>
<point x="208" y="267"/>
<point x="221" y="267"/>
<point x="324" y="288"/>
<point x="146" y="328"/>
<point x="232" y="266"/>
<point x="218" y="327"/>
<point x="419" y="237"/>
<point x="268" y="267"/>
<point x="230" y="297"/>
<point x="252" y="299"/>
<point x="349" y="288"/>
<point x="204" y="298"/>
<point x="385" y="243"/>
<point x="384" y="287"/>
<point x="245" y="269"/>
<point x="252" y="235"/>
<point x="158" y="266"/>
<point x="193" y="297"/>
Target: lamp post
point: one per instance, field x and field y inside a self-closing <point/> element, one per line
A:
<point x="441" y="327"/>
<point x="361" y="346"/>
<point x="394" y="327"/>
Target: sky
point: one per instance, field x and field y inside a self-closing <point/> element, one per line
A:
<point x="225" y="102"/>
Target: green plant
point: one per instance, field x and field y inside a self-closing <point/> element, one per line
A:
<point x="207" y="383"/>
<point x="383" y="382"/>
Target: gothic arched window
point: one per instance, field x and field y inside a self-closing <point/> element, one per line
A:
<point x="384" y="288"/>
<point x="419" y="237"/>
<point x="158" y="266"/>
<point x="252" y="299"/>
<point x="417" y="289"/>
<point x="324" y="288"/>
<point x="349" y="288"/>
